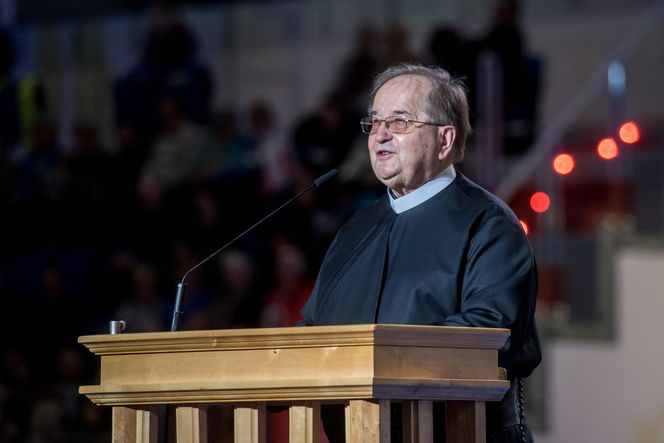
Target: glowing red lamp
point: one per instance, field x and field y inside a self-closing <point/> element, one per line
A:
<point x="607" y="148"/>
<point x="540" y="202"/>
<point x="629" y="132"/>
<point x="563" y="164"/>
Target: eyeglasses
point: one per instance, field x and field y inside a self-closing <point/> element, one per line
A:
<point x="395" y="124"/>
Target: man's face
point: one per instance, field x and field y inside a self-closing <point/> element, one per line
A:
<point x="404" y="162"/>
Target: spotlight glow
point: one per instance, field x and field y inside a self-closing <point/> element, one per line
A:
<point x="540" y="202"/>
<point x="607" y="148"/>
<point x="629" y="133"/>
<point x="563" y="164"/>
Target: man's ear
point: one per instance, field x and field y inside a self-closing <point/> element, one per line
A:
<point x="446" y="136"/>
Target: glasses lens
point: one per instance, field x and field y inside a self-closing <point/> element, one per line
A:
<point x="396" y="125"/>
<point x="369" y="125"/>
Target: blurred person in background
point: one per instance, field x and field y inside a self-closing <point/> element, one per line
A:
<point x="143" y="309"/>
<point x="290" y="288"/>
<point x="239" y="291"/>
<point x="323" y="139"/>
<point x="173" y="159"/>
<point x="397" y="46"/>
<point x="520" y="74"/>
<point x="22" y="103"/>
<point x="359" y="68"/>
<point x="272" y="149"/>
<point x="167" y="67"/>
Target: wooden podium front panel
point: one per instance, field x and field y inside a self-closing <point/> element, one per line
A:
<point x="364" y="366"/>
<point x="238" y="367"/>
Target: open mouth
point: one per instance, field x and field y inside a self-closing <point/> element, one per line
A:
<point x="383" y="153"/>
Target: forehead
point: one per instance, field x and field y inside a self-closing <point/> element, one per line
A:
<point x="405" y="94"/>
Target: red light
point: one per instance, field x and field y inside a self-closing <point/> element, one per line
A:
<point x="629" y="133"/>
<point x="524" y="226"/>
<point x="607" y="148"/>
<point x="563" y="164"/>
<point x="540" y="202"/>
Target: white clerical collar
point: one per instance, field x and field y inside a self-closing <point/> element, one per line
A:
<point x="423" y="193"/>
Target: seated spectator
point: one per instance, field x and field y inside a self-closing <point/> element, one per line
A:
<point x="168" y="67"/>
<point x="229" y="154"/>
<point x="22" y="104"/>
<point x="143" y="309"/>
<point x="272" y="149"/>
<point x="521" y="76"/>
<point x="174" y="156"/>
<point x="323" y="139"/>
<point x="397" y="46"/>
<point x="291" y="286"/>
<point x="358" y="70"/>
<point x="238" y="302"/>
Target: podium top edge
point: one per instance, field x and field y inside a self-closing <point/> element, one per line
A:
<point x="306" y="336"/>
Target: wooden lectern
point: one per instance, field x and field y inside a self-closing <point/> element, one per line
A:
<point x="220" y="382"/>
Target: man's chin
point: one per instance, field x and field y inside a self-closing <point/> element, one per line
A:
<point x="387" y="181"/>
<point x="386" y="176"/>
<point x="391" y="183"/>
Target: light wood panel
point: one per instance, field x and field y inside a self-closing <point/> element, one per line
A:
<point x="230" y="365"/>
<point x="191" y="424"/>
<point x="147" y="425"/>
<point x="250" y="424"/>
<point x="299" y="363"/>
<point x="134" y="425"/>
<point x="368" y="421"/>
<point x="124" y="425"/>
<point x="304" y="423"/>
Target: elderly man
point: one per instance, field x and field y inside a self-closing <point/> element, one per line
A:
<point x="436" y="249"/>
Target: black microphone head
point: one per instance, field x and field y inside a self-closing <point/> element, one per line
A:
<point x="325" y="177"/>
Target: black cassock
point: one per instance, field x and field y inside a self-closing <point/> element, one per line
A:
<point x="460" y="258"/>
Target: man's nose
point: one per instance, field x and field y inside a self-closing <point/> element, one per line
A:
<point x="383" y="135"/>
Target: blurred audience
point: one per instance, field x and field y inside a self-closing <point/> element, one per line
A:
<point x="111" y="230"/>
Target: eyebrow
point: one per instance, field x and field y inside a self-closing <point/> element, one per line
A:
<point x="396" y="112"/>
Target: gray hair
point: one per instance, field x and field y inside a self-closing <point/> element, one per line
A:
<point x="448" y="101"/>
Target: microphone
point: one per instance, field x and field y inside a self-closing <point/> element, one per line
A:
<point x="179" y="296"/>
